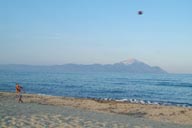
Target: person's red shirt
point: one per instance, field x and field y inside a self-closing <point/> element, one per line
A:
<point x="18" y="88"/>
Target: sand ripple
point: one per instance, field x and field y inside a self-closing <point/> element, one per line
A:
<point x="58" y="121"/>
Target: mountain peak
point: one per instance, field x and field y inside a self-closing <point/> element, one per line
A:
<point x="130" y="61"/>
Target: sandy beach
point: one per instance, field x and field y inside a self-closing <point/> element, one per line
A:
<point x="52" y="112"/>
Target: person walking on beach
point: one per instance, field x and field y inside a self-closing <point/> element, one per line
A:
<point x="18" y="93"/>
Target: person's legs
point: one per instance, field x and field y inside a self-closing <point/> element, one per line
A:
<point x="20" y="99"/>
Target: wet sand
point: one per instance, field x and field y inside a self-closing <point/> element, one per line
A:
<point x="52" y="112"/>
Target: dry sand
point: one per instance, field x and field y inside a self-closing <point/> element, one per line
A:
<point x="51" y="111"/>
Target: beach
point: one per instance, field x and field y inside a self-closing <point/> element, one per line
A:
<point x="52" y="111"/>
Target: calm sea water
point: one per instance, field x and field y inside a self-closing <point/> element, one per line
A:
<point x="166" y="89"/>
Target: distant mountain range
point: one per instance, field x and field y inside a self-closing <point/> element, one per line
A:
<point x="129" y="66"/>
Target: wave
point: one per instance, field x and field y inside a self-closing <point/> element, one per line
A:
<point x="138" y="101"/>
<point x="40" y="94"/>
<point x="174" y="84"/>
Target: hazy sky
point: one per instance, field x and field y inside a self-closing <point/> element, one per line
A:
<point x="46" y="32"/>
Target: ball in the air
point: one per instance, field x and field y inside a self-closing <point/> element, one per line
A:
<point x="140" y="12"/>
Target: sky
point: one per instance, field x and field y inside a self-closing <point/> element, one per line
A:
<point x="49" y="32"/>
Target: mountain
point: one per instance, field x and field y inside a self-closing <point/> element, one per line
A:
<point x="136" y="66"/>
<point x="130" y="66"/>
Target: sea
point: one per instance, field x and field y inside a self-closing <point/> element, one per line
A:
<point x="162" y="89"/>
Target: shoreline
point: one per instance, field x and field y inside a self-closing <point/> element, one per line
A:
<point x="167" y="114"/>
<point x="131" y="101"/>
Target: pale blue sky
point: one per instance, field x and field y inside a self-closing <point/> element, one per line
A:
<point x="47" y="32"/>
